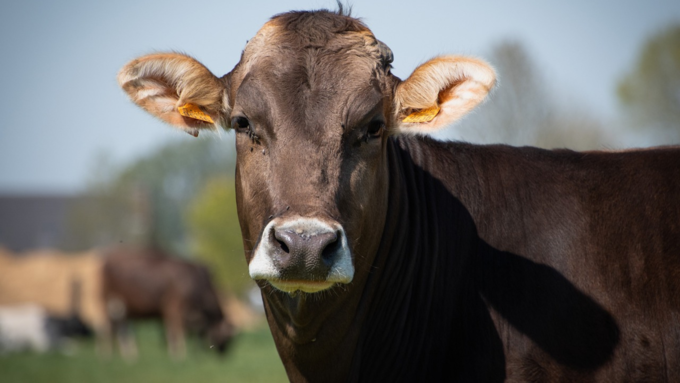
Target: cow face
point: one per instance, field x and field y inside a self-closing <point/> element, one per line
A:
<point x="312" y="103"/>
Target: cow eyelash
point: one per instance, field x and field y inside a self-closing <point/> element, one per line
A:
<point x="241" y="124"/>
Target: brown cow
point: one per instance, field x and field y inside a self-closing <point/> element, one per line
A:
<point x="384" y="255"/>
<point x="147" y="283"/>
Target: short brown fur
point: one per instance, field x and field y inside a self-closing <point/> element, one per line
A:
<point x="472" y="263"/>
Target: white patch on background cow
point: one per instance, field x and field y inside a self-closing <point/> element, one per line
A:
<point x="23" y="328"/>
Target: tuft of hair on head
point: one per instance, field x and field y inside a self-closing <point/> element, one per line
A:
<point x="343" y="10"/>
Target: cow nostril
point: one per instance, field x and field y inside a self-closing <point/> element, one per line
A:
<point x="281" y="238"/>
<point x="283" y="246"/>
<point x="329" y="251"/>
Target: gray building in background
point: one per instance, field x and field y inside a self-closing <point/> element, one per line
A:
<point x="33" y="222"/>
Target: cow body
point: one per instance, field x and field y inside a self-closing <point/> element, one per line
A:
<point x="507" y="263"/>
<point x="146" y="283"/>
<point x="383" y="255"/>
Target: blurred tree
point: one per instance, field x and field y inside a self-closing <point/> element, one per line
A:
<point x="216" y="234"/>
<point x="521" y="110"/>
<point x="145" y="202"/>
<point x="166" y="182"/>
<point x="103" y="215"/>
<point x="650" y="93"/>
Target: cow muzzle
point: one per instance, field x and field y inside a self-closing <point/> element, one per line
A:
<point x="302" y="254"/>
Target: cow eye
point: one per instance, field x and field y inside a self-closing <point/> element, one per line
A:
<point x="374" y="129"/>
<point x="240" y="123"/>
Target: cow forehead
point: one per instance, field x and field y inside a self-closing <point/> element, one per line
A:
<point x="324" y="39"/>
<point x="309" y="89"/>
<point x="296" y="96"/>
<point x="311" y="73"/>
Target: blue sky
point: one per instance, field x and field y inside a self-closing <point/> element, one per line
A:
<point x="61" y="106"/>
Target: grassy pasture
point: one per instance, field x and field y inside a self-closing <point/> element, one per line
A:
<point x="252" y="357"/>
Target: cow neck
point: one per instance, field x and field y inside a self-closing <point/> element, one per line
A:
<point x="418" y="274"/>
<point x="317" y="342"/>
<point x="414" y="285"/>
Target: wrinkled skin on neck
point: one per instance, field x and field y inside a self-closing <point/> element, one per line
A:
<point x="308" y="152"/>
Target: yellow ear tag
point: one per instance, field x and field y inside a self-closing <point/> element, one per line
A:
<point x="423" y="115"/>
<point x="195" y="112"/>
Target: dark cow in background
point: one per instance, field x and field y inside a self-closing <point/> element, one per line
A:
<point x="62" y="328"/>
<point x="384" y="255"/>
<point x="147" y="283"/>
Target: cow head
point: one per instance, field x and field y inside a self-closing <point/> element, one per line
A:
<point x="312" y="103"/>
<point x="220" y="335"/>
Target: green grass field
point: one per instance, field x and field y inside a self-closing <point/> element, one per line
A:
<point x="252" y="357"/>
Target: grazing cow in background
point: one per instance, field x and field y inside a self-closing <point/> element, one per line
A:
<point x="147" y="283"/>
<point x="384" y="255"/>
<point x="67" y="285"/>
<point x="30" y="326"/>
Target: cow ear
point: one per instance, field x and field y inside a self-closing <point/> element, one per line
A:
<point x="177" y="89"/>
<point x="440" y="92"/>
